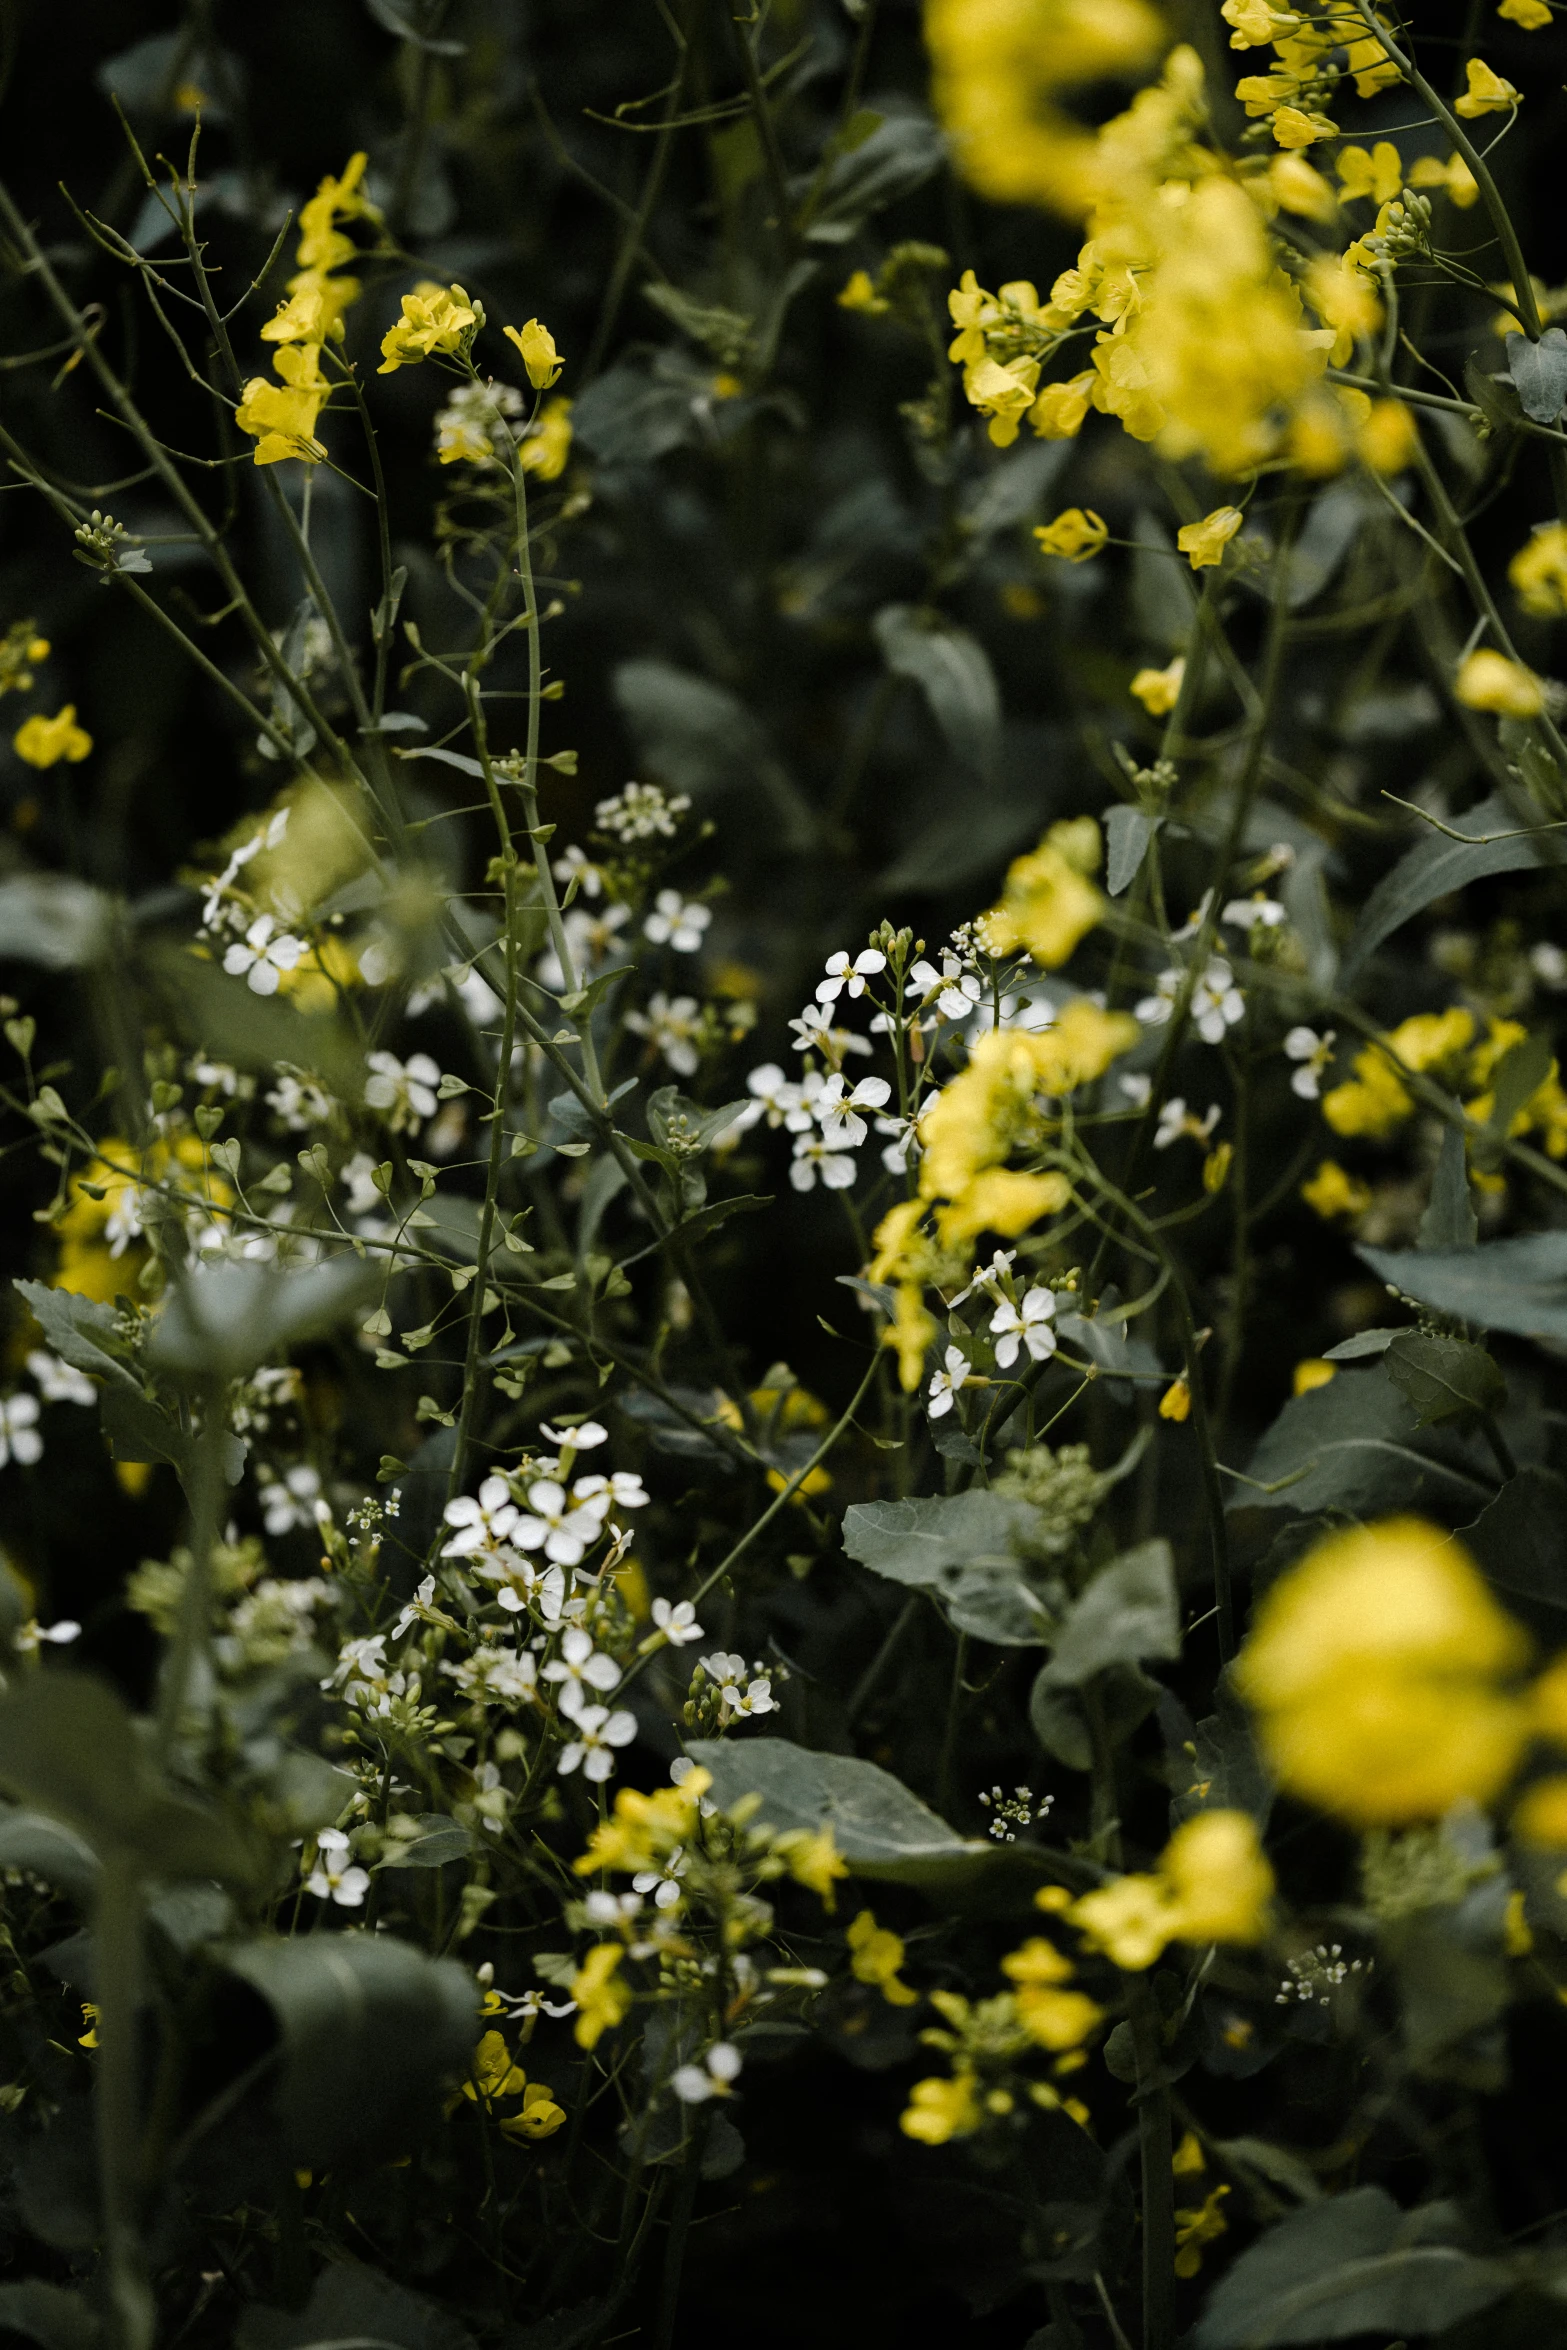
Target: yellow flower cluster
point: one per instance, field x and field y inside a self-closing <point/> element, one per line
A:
<point x="434" y="318"/>
<point x="1212" y="1883"/>
<point x="601" y="1992"/>
<point x="101" y="1244"/>
<point x="989" y="2039"/>
<point x="493" y="2076"/>
<point x="1294" y="94"/>
<point x="1048" y="904"/>
<point x="643" y="1830"/>
<point x="22" y="650"/>
<point x="282" y="416"/>
<point x="1375" y="1102"/>
<point x="1382" y="1673"/>
<point x="1539" y="572"/>
<point x="876" y="1957"/>
<point x="43" y="741"/>
<point x="1000" y="71"/>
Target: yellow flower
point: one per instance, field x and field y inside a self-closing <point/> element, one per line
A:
<point x="1047" y="906"/>
<point x="1129" y="1920"/>
<point x="547" y="446"/>
<point x="89" y="2038"/>
<point x="602" y="1998"/>
<point x="1331" y="1193"/>
<point x="536" y="346"/>
<point x="43" y="741"/>
<point x="1297" y="186"/>
<point x="938" y="2110"/>
<point x="540" y="2116"/>
<point x="1004" y="393"/>
<point x="1203" y="543"/>
<point x="1389" y="439"/>
<point x="1219" y="1879"/>
<point x="859" y="293"/>
<point x="877" y="1956"/>
<point x="21" y="651"/>
<point x="1378" y="174"/>
<point x="1058" y="413"/>
<point x="1294" y="128"/>
<point x="1053" y="2018"/>
<point x="1487" y="93"/>
<point x="1003" y="1201"/>
<point x="1160" y="689"/>
<point x="1533" y="15"/>
<point x="814" y="1861"/>
<point x="1540" y="1815"/>
<point x="435" y="318"/>
<point x="1075" y="535"/>
<point x="1346" y="300"/>
<point x="644" y="1829"/>
<point x="1254" y="22"/>
<point x="1517" y="1940"/>
<point x="1539" y="572"/>
<point x="1176" y="1401"/>
<point x="1489" y="681"/>
<point x="1376" y="1668"/>
<point x="1376" y="1101"/>
<point x="282" y="417"/>
<point x="1194" y="2229"/>
<point x="492" y="2073"/>
<point x="1455" y="176"/>
<point x="1311" y="1373"/>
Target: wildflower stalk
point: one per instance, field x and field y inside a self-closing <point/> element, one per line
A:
<point x="193" y="1626"/>
<point x="118" y="1922"/>
<point x="1155" y="2142"/>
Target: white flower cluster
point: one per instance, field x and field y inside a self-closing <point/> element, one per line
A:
<point x="476" y="426"/>
<point x="642" y="812"/>
<point x="220" y="910"/>
<point x="1314" y="1976"/>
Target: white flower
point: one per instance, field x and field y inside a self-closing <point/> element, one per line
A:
<point x="524" y="1585"/>
<point x="404" y="1090"/>
<point x="19" y="1437"/>
<point x="263" y="956"/>
<point x="899" y="1154"/>
<point x="642" y="812"/>
<point x="493" y="1671"/>
<point x="956" y="990"/>
<point x="673" y="1026"/>
<point x="587" y="1438"/>
<point x="590" y="942"/>
<point x="679" y="1772"/>
<point x="1175" y="1120"/>
<point x="483" y="1523"/>
<point x="418" y="1608"/>
<point x="597" y="1730"/>
<point x="1194" y="922"/>
<point x="836" y="1107"/>
<point x="30" y="1636"/>
<point x="577" y="866"/>
<point x="1548" y="962"/>
<point x="1217" y="1003"/>
<point x="814" y="1156"/>
<point x="289" y="1501"/>
<point x="300" y="1101"/>
<point x="1313" y="1052"/>
<point x="476" y="996"/>
<point x="623" y="1490"/>
<point x="1255" y="912"/>
<point x="815" y="1033"/>
<point x="773" y="1097"/>
<point x="664" y="1883"/>
<point x="1137" y="1086"/>
<point x="738" y="1698"/>
<point x="220" y="1077"/>
<point x="267" y="838"/>
<point x="693" y="2084"/>
<point x="578" y="1668"/>
<point x="1025" y="1325"/>
<point x="332" y="1879"/>
<point x="946" y="1382"/>
<point x="1153" y="1010"/>
<point x="357" y="1179"/>
<point x="841" y="974"/>
<point x="58" y="1382"/>
<point x="990" y="1277"/>
<point x="678" y="1624"/>
<point x="677" y="923"/>
<point x="560" y="1529"/>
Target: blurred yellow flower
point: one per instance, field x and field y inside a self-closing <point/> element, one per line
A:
<point x="1332" y="1193"/>
<point x="1160" y="689"/>
<point x="43" y="741"/>
<point x="1075" y="535"/>
<point x="1539" y="572"/>
<point x="1533" y="15"/>
<point x="876" y="1954"/>
<point x="1489" y="681"/>
<point x="941" y="2109"/>
<point x="545" y="449"/>
<point x="602" y="1998"/>
<point x="1047" y="906"/>
<point x="859" y="293"/>
<point x="1203" y="543"/>
<point x="1176" y="1401"/>
<point x="1377" y="173"/>
<point x="1213" y="1883"/>
<point x="1454" y="176"/>
<point x="1311" y="1374"/>
<point x="1377" y="1668"/>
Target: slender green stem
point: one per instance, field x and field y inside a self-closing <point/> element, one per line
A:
<point x="118" y="1918"/>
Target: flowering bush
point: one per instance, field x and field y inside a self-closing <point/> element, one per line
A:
<point x="785" y="1177"/>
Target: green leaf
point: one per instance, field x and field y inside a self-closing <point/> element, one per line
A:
<point x="1520" y="1542"/>
<point x="223" y="1016"/>
<point x="1539" y="371"/>
<point x="1127" y="835"/>
<point x="1434" y="868"/>
<point x="88" y="1336"/>
<point x="1518" y="1285"/>
<point x="700" y="738"/>
<point x="1444" y="1378"/>
<point x="880" y="1828"/>
<point x="442" y="1840"/>
<point x="351" y="2304"/>
<point x="48" y="2315"/>
<point x="1125" y="1696"/>
<point x="1520" y="1072"/>
<point x="1129" y="1611"/>
<point x="1355" y="1447"/>
<point x="69" y="1748"/>
<point x="371" y="2031"/>
<point x="1013" y="488"/>
<point x="1352" y="2264"/>
<point x="221" y="1322"/>
<point x="45" y="1848"/>
<point x="898" y="156"/>
<point x="1449" y="1220"/>
<point x="929" y="1544"/>
<point x="953" y="672"/>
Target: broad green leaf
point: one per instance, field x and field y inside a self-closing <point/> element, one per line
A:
<point x="1127" y="835"/>
<point x="929" y="1543"/>
<point x="46" y="1848"/>
<point x="351" y="2304"/>
<point x="1004" y="1609"/>
<point x="1518" y="1285"/>
<point x="1444" y="1378"/>
<point x="953" y="672"/>
<point x="879" y="1827"/>
<point x="1129" y="1611"/>
<point x="1125" y="1697"/>
<point x="69" y="1748"/>
<point x="1520" y="1072"/>
<point x="441" y="1840"/>
<point x="87" y="1335"/>
<point x="1011" y="491"/>
<point x="1364" y="1342"/>
<point x="1434" y="868"/>
<point x="898" y="156"/>
<point x="49" y="2315"/>
<point x="371" y="2030"/>
<point x="1449" y="1220"/>
<point x="631" y="417"/>
<point x="1355" y="1447"/>
<point x="1520" y="1541"/>
<point x="1351" y="2264"/>
<point x="221" y="1322"/>
<point x="222" y="1016"/>
<point x="1539" y="371"/>
<point x="700" y="738"/>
